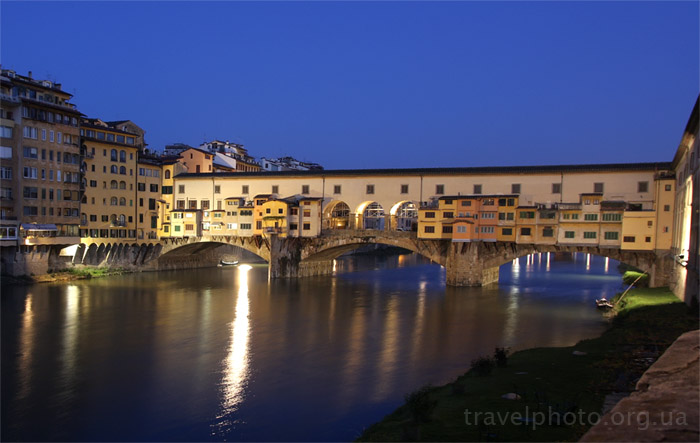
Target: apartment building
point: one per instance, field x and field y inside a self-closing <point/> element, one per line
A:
<point x="111" y="153"/>
<point x="40" y="164"/>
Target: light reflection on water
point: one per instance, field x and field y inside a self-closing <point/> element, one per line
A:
<point x="223" y="354"/>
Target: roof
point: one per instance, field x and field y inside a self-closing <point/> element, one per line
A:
<point x="479" y="170"/>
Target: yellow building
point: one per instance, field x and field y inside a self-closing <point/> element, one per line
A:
<point x="186" y="223"/>
<point x="526" y="224"/>
<point x="150" y="213"/>
<point x="110" y="204"/>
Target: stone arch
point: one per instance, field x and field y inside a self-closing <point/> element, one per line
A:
<point x="178" y="247"/>
<point x="404" y="216"/>
<point x="332" y="247"/>
<point x="336" y="215"/>
<point x="370" y="216"/>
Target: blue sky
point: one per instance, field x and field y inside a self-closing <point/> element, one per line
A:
<point x="377" y="84"/>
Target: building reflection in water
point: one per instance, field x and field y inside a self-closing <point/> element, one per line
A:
<point x="27" y="341"/>
<point x="70" y="336"/>
<point x="236" y="363"/>
<point x="511" y="317"/>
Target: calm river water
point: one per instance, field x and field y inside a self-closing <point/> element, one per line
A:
<point x="221" y="354"/>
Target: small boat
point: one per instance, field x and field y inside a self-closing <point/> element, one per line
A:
<point x="228" y="263"/>
<point x="603" y="303"/>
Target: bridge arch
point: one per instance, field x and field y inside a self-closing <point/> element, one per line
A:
<point x="336" y="215"/>
<point x="404" y="216"/>
<point x="370" y="216"/>
<point x="332" y="246"/>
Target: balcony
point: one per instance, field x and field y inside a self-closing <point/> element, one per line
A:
<point x="271" y="230"/>
<point x="118" y="224"/>
<point x="8" y="99"/>
<point x="569" y="206"/>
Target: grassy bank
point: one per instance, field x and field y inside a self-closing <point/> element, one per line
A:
<point x="553" y="381"/>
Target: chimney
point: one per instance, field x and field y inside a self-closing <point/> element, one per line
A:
<point x="30" y="74"/>
<point x="57" y="85"/>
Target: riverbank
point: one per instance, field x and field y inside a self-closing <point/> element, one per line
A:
<point x="547" y="381"/>
<point x="83" y="273"/>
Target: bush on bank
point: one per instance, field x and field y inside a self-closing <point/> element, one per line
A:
<point x="554" y="381"/>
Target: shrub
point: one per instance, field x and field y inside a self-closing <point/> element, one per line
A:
<point x="483" y="366"/>
<point x="501" y="357"/>
<point x="419" y="404"/>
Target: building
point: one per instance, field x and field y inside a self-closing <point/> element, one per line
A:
<point x="40" y="164"/>
<point x="110" y="208"/>
<point x="232" y="155"/>
<point x="685" y="242"/>
<point x="288" y="164"/>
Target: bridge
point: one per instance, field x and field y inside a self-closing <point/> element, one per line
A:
<point x="466" y="264"/>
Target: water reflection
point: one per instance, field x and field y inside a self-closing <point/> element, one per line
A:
<point x="221" y="354"/>
<point x="237" y="361"/>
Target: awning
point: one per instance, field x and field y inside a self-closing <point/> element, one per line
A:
<point x="38" y="227"/>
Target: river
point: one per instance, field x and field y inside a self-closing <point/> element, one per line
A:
<point x="223" y="354"/>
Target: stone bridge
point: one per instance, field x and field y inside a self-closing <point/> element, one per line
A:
<point x="466" y="264"/>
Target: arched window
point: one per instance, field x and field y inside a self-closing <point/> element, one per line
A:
<point x="76" y="159"/>
<point x="114" y="155"/>
<point x="113" y="184"/>
<point x="84" y="200"/>
<point x="122" y="184"/>
<point x="122" y="201"/>
<point x="68" y="177"/>
<point x="122" y="170"/>
<point x="167" y="173"/>
<point x="122" y="156"/>
<point x="122" y="218"/>
<point x="114" y="170"/>
<point x="113" y="201"/>
<point x="66" y="158"/>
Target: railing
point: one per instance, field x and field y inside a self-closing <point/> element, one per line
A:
<point x="271" y="230"/>
<point x="117" y="223"/>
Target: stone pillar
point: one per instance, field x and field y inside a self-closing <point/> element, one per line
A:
<point x="286" y="262"/>
<point x="465" y="266"/>
<point x="661" y="270"/>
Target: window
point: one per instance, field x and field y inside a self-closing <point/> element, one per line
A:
<point x="167" y="190"/>
<point x="30" y="132"/>
<point x="466" y="202"/>
<point x="31" y="192"/>
<point x="130" y="140"/>
<point x="275" y="189"/>
<point x="181" y="189"/>
<point x="462" y="229"/>
<point x="246" y="226"/>
<point x="6" y="132"/>
<point x="154" y="188"/>
<point x="598" y="187"/>
<point x="556" y="188"/>
<point x="120" y="139"/>
<point x="370" y="189"/>
<point x="439" y="189"/>
<point x="612" y="217"/>
<point x="515" y="188"/>
<point x="569" y="234"/>
<point x="477" y="189"/>
<point x="650" y="223"/>
<point x="122" y="201"/>
<point x="610" y="235"/>
<point x="507" y="231"/>
<point x="667" y="208"/>
<point x="113" y="184"/>
<point x="448" y="214"/>
<point x="188" y="226"/>
<point x="122" y="185"/>
<point x="647" y="239"/>
<point x="488" y="202"/>
<point x="590" y="234"/>
<point x="304" y="189"/>
<point x="447" y="229"/>
<point x="527" y="214"/>
<point x="487" y="229"/>
<point x="113" y="201"/>
<point x="337" y="189"/>
<point x="429" y="229"/>
<point x="29" y="173"/>
<point x="404" y="189"/>
<point x="152" y="204"/>
<point x="5" y="173"/>
<point x="429" y="215"/>
<point x="307" y="213"/>
<point x="122" y="170"/>
<point x="141" y="187"/>
<point x="525" y="231"/>
<point x="122" y="156"/>
<point x="667" y="187"/>
<point x="31" y="210"/>
<point x="548" y="232"/>
<point x="488" y="215"/>
<point x="590" y="217"/>
<point x="244" y="189"/>
<point x="306" y="226"/>
<point x="642" y="186"/>
<point x="30" y="152"/>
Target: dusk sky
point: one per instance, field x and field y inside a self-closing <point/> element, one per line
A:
<point x="377" y="84"/>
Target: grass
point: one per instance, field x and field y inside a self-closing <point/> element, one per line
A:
<point x="94" y="272"/>
<point x="549" y="380"/>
